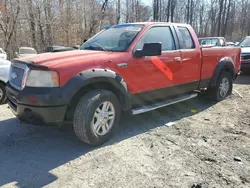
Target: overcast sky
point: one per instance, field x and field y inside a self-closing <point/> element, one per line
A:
<point x="147" y="2"/>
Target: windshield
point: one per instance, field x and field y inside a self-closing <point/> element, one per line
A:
<point x="245" y="42"/>
<point x="213" y="42"/>
<point x="116" y="39"/>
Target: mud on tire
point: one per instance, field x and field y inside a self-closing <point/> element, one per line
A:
<point x="223" y="88"/>
<point x="91" y="106"/>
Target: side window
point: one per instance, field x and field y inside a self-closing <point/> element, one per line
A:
<point x="187" y="39"/>
<point x="158" y="34"/>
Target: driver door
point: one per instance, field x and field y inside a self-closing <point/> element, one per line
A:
<point x="153" y="77"/>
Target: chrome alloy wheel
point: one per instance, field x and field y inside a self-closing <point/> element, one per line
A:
<point x="103" y="118"/>
<point x="224" y="87"/>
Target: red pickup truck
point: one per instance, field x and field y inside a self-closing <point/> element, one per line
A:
<point x="134" y="67"/>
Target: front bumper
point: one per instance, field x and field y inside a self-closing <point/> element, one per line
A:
<point x="37" y="106"/>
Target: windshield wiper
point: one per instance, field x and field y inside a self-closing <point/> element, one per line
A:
<point x="100" y="46"/>
<point x="90" y="48"/>
<point x="95" y="48"/>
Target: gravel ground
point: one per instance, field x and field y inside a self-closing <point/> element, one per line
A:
<point x="208" y="146"/>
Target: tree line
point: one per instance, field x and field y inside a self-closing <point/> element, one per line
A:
<point x="225" y="18"/>
<point x="42" y="23"/>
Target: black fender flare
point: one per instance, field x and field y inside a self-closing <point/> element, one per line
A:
<point x="94" y="76"/>
<point x="224" y="64"/>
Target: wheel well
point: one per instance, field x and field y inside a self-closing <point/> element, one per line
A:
<point x="228" y="69"/>
<point x="225" y="67"/>
<point x="99" y="85"/>
<point x="3" y="83"/>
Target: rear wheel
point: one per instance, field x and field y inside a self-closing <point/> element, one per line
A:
<point x="96" y="117"/>
<point x="223" y="88"/>
<point x="3" y="97"/>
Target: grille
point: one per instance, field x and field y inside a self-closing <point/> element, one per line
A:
<point x="16" y="77"/>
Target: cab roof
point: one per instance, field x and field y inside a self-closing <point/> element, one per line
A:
<point x="150" y="23"/>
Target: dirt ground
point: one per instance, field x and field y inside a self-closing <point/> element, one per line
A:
<point x="208" y="147"/>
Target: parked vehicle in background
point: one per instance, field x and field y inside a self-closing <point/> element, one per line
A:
<point x="3" y="54"/>
<point x="77" y="47"/>
<point x="135" y="68"/>
<point x="57" y="49"/>
<point x="4" y="76"/>
<point x="245" y="54"/>
<point x="25" y="51"/>
<point x="230" y="44"/>
<point x="52" y="48"/>
<point x="212" y="41"/>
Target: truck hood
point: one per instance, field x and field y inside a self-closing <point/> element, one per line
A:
<point x="53" y="60"/>
<point x="245" y="50"/>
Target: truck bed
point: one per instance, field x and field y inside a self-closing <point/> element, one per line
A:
<point x="211" y="57"/>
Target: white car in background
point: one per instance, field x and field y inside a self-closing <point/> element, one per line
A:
<point x="245" y="54"/>
<point x="25" y="51"/>
<point x="3" y="54"/>
<point x="4" y="77"/>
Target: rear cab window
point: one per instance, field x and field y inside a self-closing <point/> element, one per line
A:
<point x="186" y="40"/>
<point x="209" y="41"/>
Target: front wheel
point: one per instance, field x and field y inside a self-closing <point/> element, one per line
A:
<point x="96" y="117"/>
<point x="223" y="88"/>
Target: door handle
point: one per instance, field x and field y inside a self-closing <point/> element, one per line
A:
<point x="178" y="59"/>
<point x="122" y="65"/>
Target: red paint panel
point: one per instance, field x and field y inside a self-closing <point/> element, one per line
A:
<point x="142" y="74"/>
<point x="150" y="73"/>
<point x="190" y="66"/>
<point x="211" y="57"/>
<point x="163" y="68"/>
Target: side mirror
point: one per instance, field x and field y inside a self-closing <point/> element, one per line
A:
<point x="149" y="49"/>
<point x="107" y="27"/>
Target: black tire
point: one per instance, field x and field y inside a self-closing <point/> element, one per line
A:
<point x="3" y="99"/>
<point x="215" y="94"/>
<point x="84" y="114"/>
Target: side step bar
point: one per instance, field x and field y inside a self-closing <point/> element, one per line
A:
<point x="168" y="102"/>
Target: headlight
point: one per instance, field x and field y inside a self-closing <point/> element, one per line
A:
<point x="37" y="78"/>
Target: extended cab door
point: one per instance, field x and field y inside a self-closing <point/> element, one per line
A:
<point x="189" y="72"/>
